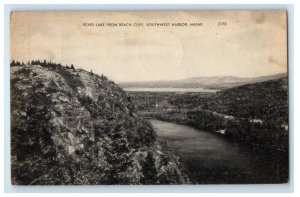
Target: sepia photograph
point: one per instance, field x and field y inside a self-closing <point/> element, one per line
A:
<point x="149" y="97"/>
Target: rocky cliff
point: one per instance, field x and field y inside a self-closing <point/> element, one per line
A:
<point x="70" y="126"/>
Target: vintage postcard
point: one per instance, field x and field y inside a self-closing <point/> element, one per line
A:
<point x="149" y="97"/>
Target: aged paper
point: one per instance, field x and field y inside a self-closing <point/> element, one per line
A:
<point x="149" y="97"/>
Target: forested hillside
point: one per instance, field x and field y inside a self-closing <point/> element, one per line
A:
<point x="253" y="115"/>
<point x="70" y="126"/>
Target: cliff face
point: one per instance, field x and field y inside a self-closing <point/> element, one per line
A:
<point x="70" y="126"/>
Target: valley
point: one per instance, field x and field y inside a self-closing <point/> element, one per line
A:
<point x="253" y="116"/>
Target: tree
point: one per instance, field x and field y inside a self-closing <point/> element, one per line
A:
<point x="103" y="77"/>
<point x="13" y="63"/>
<point x="18" y="63"/>
<point x="33" y="147"/>
<point x="118" y="157"/>
<point x="149" y="170"/>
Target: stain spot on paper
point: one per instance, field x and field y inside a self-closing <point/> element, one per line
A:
<point x="272" y="60"/>
<point x="260" y="19"/>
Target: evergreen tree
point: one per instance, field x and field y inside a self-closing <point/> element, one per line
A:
<point x="32" y="140"/>
<point x="149" y="170"/>
<point x="44" y="63"/>
<point x="118" y="156"/>
<point x="13" y="63"/>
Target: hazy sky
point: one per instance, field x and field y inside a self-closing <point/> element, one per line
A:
<point x="252" y="43"/>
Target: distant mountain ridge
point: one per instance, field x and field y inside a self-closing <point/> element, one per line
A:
<point x="216" y="82"/>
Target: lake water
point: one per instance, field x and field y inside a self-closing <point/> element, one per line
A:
<point x="138" y="89"/>
<point x="209" y="158"/>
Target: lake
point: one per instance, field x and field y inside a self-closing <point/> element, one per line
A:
<point x="208" y="157"/>
<point x="139" y="89"/>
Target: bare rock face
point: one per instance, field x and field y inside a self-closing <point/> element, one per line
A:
<point x="75" y="127"/>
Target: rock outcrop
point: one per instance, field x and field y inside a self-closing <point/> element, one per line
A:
<point x="70" y="126"/>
